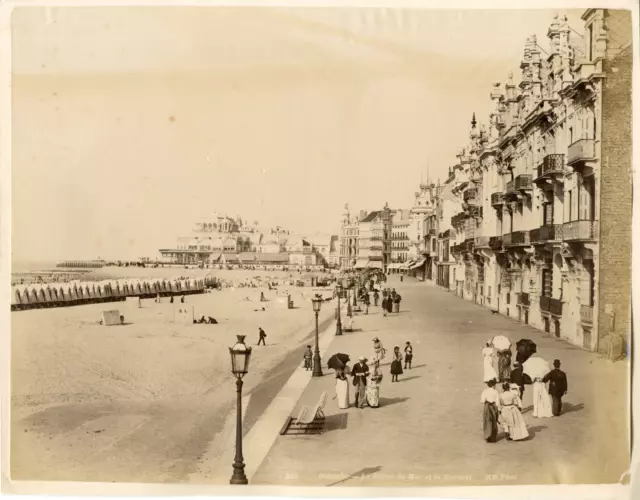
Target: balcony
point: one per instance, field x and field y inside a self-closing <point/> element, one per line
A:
<point x="544" y="234"/>
<point x="495" y="243"/>
<point x="516" y="239"/>
<point x="580" y="230"/>
<point x="549" y="305"/>
<point x="497" y="199"/>
<point x="523" y="299"/>
<point x="580" y="151"/>
<point x="586" y="315"/>
<point x="431" y="232"/>
<point x="510" y="188"/>
<point x="468" y="243"/>
<point x="551" y="166"/>
<point x="482" y="242"/>
<point x="470" y="196"/>
<point x="523" y="183"/>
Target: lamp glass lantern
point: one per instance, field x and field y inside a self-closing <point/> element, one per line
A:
<point x="317" y="304"/>
<point x="240" y="356"/>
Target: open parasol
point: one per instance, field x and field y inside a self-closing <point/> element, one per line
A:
<point x="525" y="348"/>
<point x="338" y="361"/>
<point x="535" y="367"/>
<point x="501" y="343"/>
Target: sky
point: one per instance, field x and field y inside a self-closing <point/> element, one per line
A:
<point x="130" y="123"/>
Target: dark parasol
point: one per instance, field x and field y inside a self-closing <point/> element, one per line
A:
<point x="338" y="361"/>
<point x="525" y="348"/>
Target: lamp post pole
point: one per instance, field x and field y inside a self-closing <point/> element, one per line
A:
<point x="239" y="476"/>
<point x="317" y="368"/>
<point x="338" y="320"/>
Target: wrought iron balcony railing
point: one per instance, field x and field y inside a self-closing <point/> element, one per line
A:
<point x="553" y="306"/>
<point x="550" y="232"/>
<point x="470" y="195"/>
<point x="516" y="238"/>
<point x="552" y="164"/>
<point x="523" y="182"/>
<point x="580" y="230"/>
<point x="497" y="199"/>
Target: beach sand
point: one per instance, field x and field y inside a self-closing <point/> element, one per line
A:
<point x="141" y="401"/>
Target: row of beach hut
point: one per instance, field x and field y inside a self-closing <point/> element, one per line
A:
<point x="77" y="293"/>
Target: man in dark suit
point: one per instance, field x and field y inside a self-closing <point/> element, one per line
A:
<point x="517" y="377"/>
<point x="557" y="387"/>
<point x="360" y="372"/>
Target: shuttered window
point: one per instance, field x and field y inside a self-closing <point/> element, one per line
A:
<point x="547" y="283"/>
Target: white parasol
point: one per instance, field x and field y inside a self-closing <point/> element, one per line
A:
<point x="535" y="367"/>
<point x="501" y="343"/>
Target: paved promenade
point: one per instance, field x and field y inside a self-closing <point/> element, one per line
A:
<point x="428" y="429"/>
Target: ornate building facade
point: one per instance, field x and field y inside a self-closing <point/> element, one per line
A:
<point x="528" y="232"/>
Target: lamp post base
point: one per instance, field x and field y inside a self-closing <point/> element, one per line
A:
<point x="238" y="476"/>
<point x="339" y="326"/>
<point x="317" y="366"/>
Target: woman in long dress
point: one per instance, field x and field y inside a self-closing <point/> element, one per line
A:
<point x="504" y="365"/>
<point x="378" y="351"/>
<point x="396" y="364"/>
<point x="541" y="400"/>
<point x="373" y="388"/>
<point x="489" y="370"/>
<point x="510" y="405"/>
<point x="490" y="398"/>
<point x="342" y="389"/>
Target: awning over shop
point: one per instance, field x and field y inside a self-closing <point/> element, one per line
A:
<point x="407" y="265"/>
<point x="393" y="266"/>
<point x="374" y="264"/>
<point x="418" y="264"/>
<point x="361" y="264"/>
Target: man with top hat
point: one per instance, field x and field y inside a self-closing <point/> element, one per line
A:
<point x="360" y="372"/>
<point x="557" y="387"/>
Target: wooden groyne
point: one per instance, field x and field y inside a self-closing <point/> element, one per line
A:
<point x="77" y="293"/>
<point x="82" y="264"/>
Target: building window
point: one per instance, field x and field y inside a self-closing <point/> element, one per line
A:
<point x="590" y="42"/>
<point x="547" y="282"/>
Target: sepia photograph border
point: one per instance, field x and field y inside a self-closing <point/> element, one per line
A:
<point x="72" y="489"/>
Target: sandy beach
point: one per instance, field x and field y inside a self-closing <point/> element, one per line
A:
<point x="153" y="392"/>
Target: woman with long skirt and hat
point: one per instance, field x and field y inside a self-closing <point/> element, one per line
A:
<point x="510" y="405"/>
<point x="541" y="400"/>
<point x="490" y="398"/>
<point x="504" y="365"/>
<point x="488" y="356"/>
<point x="378" y="351"/>
<point x="396" y="364"/>
<point x="373" y="388"/>
<point x="342" y="389"/>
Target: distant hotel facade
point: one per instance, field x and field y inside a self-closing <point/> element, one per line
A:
<point x="220" y="239"/>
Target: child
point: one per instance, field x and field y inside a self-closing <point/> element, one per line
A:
<point x="408" y="355"/>
<point x="308" y="355"/>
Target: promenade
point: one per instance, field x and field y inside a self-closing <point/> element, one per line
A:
<point x="428" y="429"/>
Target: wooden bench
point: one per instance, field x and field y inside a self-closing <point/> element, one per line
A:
<point x="307" y="422"/>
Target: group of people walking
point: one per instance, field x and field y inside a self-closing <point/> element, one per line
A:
<point x="390" y="301"/>
<point x="367" y="382"/>
<point x="506" y="407"/>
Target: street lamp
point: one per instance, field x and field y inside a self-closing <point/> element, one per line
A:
<point x="339" y="320"/>
<point x="240" y="355"/>
<point x="317" y="368"/>
<point x="349" y="311"/>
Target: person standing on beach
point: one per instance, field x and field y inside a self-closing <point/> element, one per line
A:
<point x="262" y="335"/>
